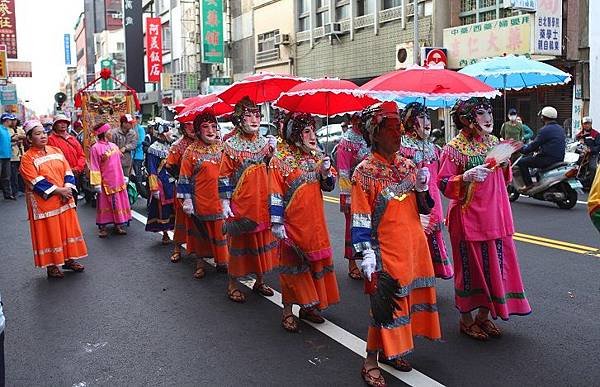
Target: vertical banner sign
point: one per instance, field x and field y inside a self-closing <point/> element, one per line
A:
<point x="8" y="27"/>
<point x="3" y="64"/>
<point x="134" y="44"/>
<point x="107" y="84"/>
<point x="67" y="44"/>
<point x="154" y="48"/>
<point x="548" y="28"/>
<point x="212" y="31"/>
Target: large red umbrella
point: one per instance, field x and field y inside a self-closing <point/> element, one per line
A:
<point x="178" y="106"/>
<point x="260" y="88"/>
<point x="324" y="97"/>
<point x="429" y="83"/>
<point x="201" y="104"/>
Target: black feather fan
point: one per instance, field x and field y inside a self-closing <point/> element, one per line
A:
<point x="383" y="298"/>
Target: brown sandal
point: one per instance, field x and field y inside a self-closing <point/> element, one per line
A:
<point x="199" y="273"/>
<point x="54" y="272"/>
<point x="166" y="240"/>
<point x="73" y="265"/>
<point x="468" y="330"/>
<point x="400" y="364"/>
<point x="263" y="289"/>
<point x="372" y="380"/>
<point x="120" y="230"/>
<point x="488" y="327"/>
<point x="175" y="256"/>
<point x="236" y="295"/>
<point x="102" y="233"/>
<point x="290" y="323"/>
<point x="354" y="273"/>
<point x="311" y="315"/>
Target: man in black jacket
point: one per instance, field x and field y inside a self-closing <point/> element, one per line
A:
<point x="549" y="144"/>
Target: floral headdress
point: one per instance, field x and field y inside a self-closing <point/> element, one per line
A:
<point x="410" y="113"/>
<point x="296" y="122"/>
<point x="466" y="109"/>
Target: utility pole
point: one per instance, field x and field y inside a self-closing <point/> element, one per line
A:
<point x="415" y="32"/>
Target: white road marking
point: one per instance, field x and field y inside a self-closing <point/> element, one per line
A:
<point x="337" y="333"/>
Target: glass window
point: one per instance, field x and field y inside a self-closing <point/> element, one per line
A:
<point x="467" y="5"/>
<point x="468" y="19"/>
<point x="487" y="3"/>
<point x="342" y="12"/>
<point x="266" y="41"/>
<point x="322" y="3"/>
<point x="166" y="37"/>
<point x="391" y="3"/>
<point x="303" y="24"/>
<point x="322" y="18"/>
<point x="365" y="7"/>
<point x="303" y="6"/>
<point x="488" y="15"/>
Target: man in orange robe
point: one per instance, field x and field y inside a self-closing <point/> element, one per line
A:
<point x="244" y="192"/>
<point x="55" y="233"/>
<point x="298" y="173"/>
<point x="388" y="193"/>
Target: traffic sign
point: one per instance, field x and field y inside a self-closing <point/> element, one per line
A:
<point x="435" y="55"/>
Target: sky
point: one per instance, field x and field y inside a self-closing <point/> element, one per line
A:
<point x="41" y="25"/>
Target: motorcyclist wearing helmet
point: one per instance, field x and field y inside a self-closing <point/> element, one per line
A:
<point x="549" y="144"/>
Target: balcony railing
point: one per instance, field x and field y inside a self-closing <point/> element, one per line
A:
<point x="267" y="56"/>
<point x="390" y="14"/>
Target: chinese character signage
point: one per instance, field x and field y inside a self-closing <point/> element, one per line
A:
<point x="134" y="44"/>
<point x="67" y="45"/>
<point x="154" y="48"/>
<point x="212" y="31"/>
<point x="8" y="27"/>
<point x="8" y="94"/>
<point x="469" y="43"/>
<point x="524" y="5"/>
<point x="3" y="64"/>
<point x="548" y="28"/>
<point x="19" y="69"/>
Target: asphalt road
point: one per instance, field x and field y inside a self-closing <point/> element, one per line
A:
<point x="134" y="318"/>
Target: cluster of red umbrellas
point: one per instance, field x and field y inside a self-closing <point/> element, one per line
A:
<point x="329" y="97"/>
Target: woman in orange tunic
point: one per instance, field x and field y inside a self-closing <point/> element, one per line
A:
<point x="55" y="233"/>
<point x="183" y="223"/>
<point x="298" y="174"/>
<point x="244" y="192"/>
<point x="388" y="193"/>
<point x="198" y="188"/>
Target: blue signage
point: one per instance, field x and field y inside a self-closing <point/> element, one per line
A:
<point x="67" y="49"/>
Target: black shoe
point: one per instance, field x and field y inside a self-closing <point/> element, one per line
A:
<point x="10" y="198"/>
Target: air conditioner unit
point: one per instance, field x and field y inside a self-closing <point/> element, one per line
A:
<point x="333" y="29"/>
<point x="282" y="39"/>
<point x="404" y="55"/>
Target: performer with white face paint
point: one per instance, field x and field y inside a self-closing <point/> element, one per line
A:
<point x="487" y="275"/>
<point x="244" y="193"/>
<point x="415" y="145"/>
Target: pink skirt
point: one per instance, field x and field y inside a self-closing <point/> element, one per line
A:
<point x="487" y="275"/>
<point x="439" y="255"/>
<point x="113" y="209"/>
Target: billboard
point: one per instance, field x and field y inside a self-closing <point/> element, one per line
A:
<point x="213" y="50"/>
<point x="8" y="27"/>
<point x="548" y="28"/>
<point x="154" y="48"/>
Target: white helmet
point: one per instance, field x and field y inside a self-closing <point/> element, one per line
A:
<point x="549" y="112"/>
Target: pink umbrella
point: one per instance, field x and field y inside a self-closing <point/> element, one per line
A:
<point x="201" y="104"/>
<point x="260" y="88"/>
<point x="324" y="97"/>
<point x="428" y="83"/>
<point x="178" y="106"/>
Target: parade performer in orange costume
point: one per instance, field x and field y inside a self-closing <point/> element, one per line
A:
<point x="198" y="188"/>
<point x="388" y="194"/>
<point x="244" y="190"/>
<point x="183" y="223"/>
<point x="298" y="173"/>
<point x="55" y="233"/>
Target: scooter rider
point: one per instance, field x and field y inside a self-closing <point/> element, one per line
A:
<point x="591" y="138"/>
<point x="549" y="144"/>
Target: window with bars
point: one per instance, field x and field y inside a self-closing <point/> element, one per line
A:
<point x="266" y="41"/>
<point x="487" y="3"/>
<point x="488" y="15"/>
<point x="468" y="5"/>
<point x="469" y="19"/>
<point x="365" y="7"/>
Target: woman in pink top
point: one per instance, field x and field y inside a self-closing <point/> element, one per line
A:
<point x="487" y="274"/>
<point x="106" y="175"/>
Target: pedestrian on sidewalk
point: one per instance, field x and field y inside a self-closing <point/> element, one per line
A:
<point x="298" y="175"/>
<point x="55" y="232"/>
<point x="351" y="150"/>
<point x="487" y="275"/>
<point x="183" y="223"/>
<point x="388" y="194"/>
<point x="5" y="155"/>
<point x="198" y="189"/>
<point x="244" y="192"/>
<point x="17" y="139"/>
<point x="417" y="147"/>
<point x="106" y="176"/>
<point x="512" y="129"/>
<point x="126" y="140"/>
<point x="68" y="144"/>
<point x="161" y="215"/>
<point x="138" y="152"/>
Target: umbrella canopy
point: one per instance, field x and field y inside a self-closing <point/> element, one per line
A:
<point x="324" y="98"/>
<point x="201" y="104"/>
<point x="444" y="103"/>
<point x="178" y="106"/>
<point x="427" y="82"/>
<point x="260" y="88"/>
<point x="516" y="72"/>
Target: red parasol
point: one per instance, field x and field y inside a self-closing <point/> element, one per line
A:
<point x="427" y="82"/>
<point x="178" y="106"/>
<point x="324" y="97"/>
<point x="260" y="88"/>
<point x="201" y="104"/>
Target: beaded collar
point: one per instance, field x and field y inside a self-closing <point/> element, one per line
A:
<point x="240" y="144"/>
<point x="291" y="157"/>
<point x="181" y="145"/>
<point x="375" y="169"/>
<point x="159" y="149"/>
<point x="418" y="150"/>
<point x="469" y="151"/>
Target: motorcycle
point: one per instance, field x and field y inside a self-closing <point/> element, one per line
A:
<point x="588" y="163"/>
<point x="557" y="183"/>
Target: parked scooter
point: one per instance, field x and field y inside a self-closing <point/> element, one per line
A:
<point x="557" y="183"/>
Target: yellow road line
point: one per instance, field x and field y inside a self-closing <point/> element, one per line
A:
<point x="533" y="239"/>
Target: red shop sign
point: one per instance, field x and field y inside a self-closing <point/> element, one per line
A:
<point x="154" y="48"/>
